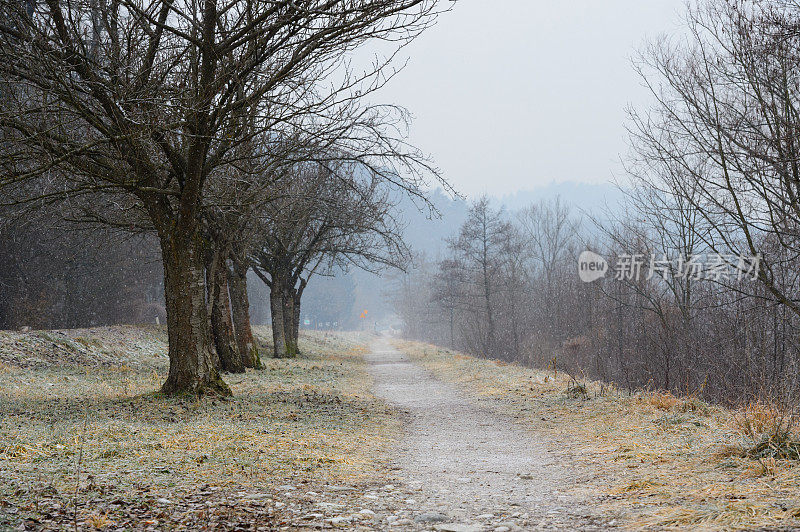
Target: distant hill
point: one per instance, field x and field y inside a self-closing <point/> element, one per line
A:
<point x="427" y="235"/>
<point x="590" y="197"/>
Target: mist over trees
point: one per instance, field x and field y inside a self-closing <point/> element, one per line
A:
<point x="322" y="225"/>
<point x="170" y="151"/>
<point x="701" y="297"/>
<point x="64" y="277"/>
<point x="179" y="120"/>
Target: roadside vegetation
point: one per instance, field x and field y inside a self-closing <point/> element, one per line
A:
<point x="695" y="289"/>
<point x="86" y="443"/>
<point x="660" y="460"/>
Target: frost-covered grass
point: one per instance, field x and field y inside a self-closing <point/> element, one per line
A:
<point x="660" y="461"/>
<point x="81" y="420"/>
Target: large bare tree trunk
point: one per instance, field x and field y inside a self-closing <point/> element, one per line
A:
<point x="288" y="323"/>
<point x="241" y="318"/>
<point x="297" y="297"/>
<point x="278" y="321"/>
<point x="221" y="323"/>
<point x="296" y="322"/>
<point x="192" y="365"/>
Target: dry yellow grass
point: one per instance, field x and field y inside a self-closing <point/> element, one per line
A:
<point x="105" y="427"/>
<point x="661" y="461"/>
<point x="662" y="400"/>
<point x="758" y="418"/>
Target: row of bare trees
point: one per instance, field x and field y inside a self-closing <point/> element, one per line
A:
<point x="508" y="288"/>
<point x="235" y="131"/>
<point x="703" y="293"/>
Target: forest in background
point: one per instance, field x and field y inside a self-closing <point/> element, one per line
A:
<point x="707" y="236"/>
<point x="299" y="197"/>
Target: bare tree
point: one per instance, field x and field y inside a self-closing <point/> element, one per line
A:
<point x="713" y="202"/>
<point x="330" y="217"/>
<point x="482" y="247"/>
<point x="721" y="133"/>
<point x="240" y="306"/>
<point x="548" y="229"/>
<point x="149" y="99"/>
<point x="446" y="290"/>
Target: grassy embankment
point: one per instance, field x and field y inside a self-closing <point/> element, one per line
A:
<point x="661" y="461"/>
<point x="85" y="438"/>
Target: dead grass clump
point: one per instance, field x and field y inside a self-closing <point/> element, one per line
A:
<point x="662" y="400"/>
<point x="667" y="401"/>
<point x="676" y="419"/>
<point x="734" y="515"/>
<point x="758" y="418"/>
<point x="577" y="391"/>
<point x="728" y="451"/>
<point x="780" y="446"/>
<point x="766" y="467"/>
<point x="694" y="405"/>
<point x="99" y="521"/>
<point x="768" y="431"/>
<point x="640" y="485"/>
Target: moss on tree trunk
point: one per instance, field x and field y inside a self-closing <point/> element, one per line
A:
<point x="240" y="303"/>
<point x="221" y="322"/>
<point x="192" y="366"/>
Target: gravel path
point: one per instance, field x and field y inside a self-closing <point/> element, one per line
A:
<point x="469" y="462"/>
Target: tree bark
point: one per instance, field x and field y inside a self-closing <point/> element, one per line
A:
<point x="221" y="323"/>
<point x="298" y="296"/>
<point x="288" y="322"/>
<point x="276" y="308"/>
<point x="296" y="322"/>
<point x="192" y="368"/>
<point x="241" y="317"/>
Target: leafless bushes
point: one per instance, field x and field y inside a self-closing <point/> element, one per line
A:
<point x="54" y="276"/>
<point x="661" y="330"/>
<point x="701" y="298"/>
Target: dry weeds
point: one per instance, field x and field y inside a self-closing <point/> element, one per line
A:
<point x="661" y="461"/>
<point x="91" y="393"/>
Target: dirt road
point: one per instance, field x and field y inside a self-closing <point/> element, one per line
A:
<point x="470" y="462"/>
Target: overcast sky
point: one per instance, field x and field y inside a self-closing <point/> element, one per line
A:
<point x="510" y="95"/>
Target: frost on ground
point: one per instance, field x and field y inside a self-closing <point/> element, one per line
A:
<point x="657" y="461"/>
<point x="87" y="443"/>
<point x="475" y="469"/>
<point x="106" y="347"/>
<point x="347" y="437"/>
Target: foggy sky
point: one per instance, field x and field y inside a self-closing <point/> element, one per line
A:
<point x="515" y="94"/>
